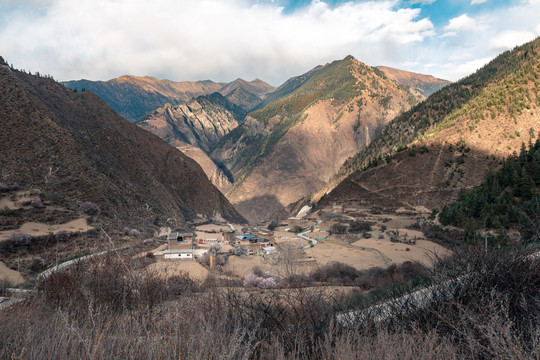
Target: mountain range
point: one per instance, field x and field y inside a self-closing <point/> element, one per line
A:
<point x="134" y="97"/>
<point x="341" y="132"/>
<point x="257" y="162"/>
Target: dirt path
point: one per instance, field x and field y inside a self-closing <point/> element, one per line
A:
<point x="385" y="259"/>
<point x="40" y="229"/>
<point x="432" y="175"/>
<point x="12" y="276"/>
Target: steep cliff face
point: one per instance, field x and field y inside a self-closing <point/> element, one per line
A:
<point x="74" y="147"/>
<point x="201" y="122"/>
<point x="296" y="143"/>
<point x="195" y="128"/>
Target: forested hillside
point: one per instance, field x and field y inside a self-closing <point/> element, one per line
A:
<point x="504" y="92"/>
<point x="508" y="198"/>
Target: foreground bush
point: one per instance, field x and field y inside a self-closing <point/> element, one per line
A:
<point x="105" y="310"/>
<point x="88" y="207"/>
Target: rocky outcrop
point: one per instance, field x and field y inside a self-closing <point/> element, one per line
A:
<point x="201" y="122"/>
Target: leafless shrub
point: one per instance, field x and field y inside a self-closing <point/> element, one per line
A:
<point x="335" y="272"/>
<point x="215" y="248"/>
<point x="217" y="260"/>
<point x="88" y="207"/>
<point x="62" y="236"/>
<point x="36" y="203"/>
<point x="239" y="250"/>
<point x="21" y="239"/>
<point x="299" y="280"/>
<point x="134" y="233"/>
<point x="272" y="225"/>
<point x="492" y="315"/>
<point x="37" y="264"/>
<point x="360" y="226"/>
<point x="338" y="228"/>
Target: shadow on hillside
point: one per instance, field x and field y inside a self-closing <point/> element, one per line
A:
<point x="431" y="179"/>
<point x="259" y="208"/>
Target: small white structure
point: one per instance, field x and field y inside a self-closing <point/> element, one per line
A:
<point x="178" y="254"/>
<point x="268" y="249"/>
<point x="199" y="252"/>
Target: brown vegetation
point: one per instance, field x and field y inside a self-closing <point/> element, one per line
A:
<point x="116" y="308"/>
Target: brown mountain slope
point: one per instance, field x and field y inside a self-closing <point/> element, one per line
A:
<point x="295" y="144"/>
<point x="478" y="121"/>
<point x="215" y="174"/>
<point x="420" y="84"/>
<point x="74" y="147"/>
<point x="430" y="179"/>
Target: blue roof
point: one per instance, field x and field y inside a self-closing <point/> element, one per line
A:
<point x="246" y="237"/>
<point x="262" y="240"/>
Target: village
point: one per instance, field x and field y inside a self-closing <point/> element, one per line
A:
<point x="353" y="235"/>
<point x="348" y="235"/>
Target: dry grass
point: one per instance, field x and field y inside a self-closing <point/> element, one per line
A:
<point x="120" y="309"/>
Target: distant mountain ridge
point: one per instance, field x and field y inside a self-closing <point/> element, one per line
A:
<point x="420" y="84"/>
<point x="74" y="147"/>
<point x="133" y="97"/>
<point x="246" y="95"/>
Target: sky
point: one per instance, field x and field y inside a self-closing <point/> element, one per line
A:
<point x="272" y="40"/>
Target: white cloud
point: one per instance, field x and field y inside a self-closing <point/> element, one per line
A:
<point x="459" y="70"/>
<point x="423" y="2"/>
<point x="192" y="40"/>
<point x="449" y="34"/>
<point x="506" y="40"/>
<point x="476" y="2"/>
<point x="460" y="57"/>
<point x="461" y="23"/>
<point x="225" y="39"/>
